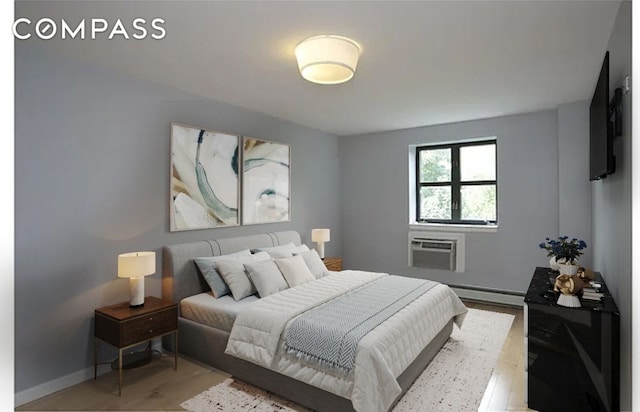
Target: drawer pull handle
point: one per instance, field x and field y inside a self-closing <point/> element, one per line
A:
<point x="150" y="330"/>
<point x="151" y="318"/>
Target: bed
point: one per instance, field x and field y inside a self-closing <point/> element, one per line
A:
<point x="385" y="363"/>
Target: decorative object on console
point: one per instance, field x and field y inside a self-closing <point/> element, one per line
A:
<point x="569" y="287"/>
<point x="320" y="236"/>
<point x="564" y="252"/>
<point x="265" y="181"/>
<point x="586" y="274"/>
<point x="568" y="269"/>
<point x="135" y="266"/>
<point x="327" y="59"/>
<point x="554" y="263"/>
<point x="204" y="179"/>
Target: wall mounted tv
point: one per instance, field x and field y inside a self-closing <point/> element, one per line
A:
<point x="604" y="124"/>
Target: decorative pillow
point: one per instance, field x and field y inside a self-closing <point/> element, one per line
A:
<point x="207" y="267"/>
<point x="234" y="275"/>
<point x="295" y="271"/>
<point x="266" y="277"/>
<point x="314" y="263"/>
<point x="282" y="251"/>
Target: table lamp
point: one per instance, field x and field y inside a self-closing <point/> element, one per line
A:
<point x="135" y="266"/>
<point x="320" y="236"/>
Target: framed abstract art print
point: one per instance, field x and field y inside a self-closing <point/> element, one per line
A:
<point x="205" y="185"/>
<point x="265" y="181"/>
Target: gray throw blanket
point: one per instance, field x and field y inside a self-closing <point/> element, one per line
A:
<point x="327" y="335"/>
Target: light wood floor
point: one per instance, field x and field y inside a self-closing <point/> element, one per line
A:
<point x="158" y="387"/>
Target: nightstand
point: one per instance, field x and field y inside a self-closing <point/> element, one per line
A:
<point x="333" y="263"/>
<point x="124" y="327"/>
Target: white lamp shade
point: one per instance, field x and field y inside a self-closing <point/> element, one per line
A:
<point x="320" y="235"/>
<point x="327" y="59"/>
<point x="136" y="264"/>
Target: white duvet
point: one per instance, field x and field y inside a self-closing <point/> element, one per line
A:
<point x="381" y="356"/>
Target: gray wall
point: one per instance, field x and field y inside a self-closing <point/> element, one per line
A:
<point x="92" y="181"/>
<point x="375" y="199"/>
<point x="612" y="203"/>
<point x="574" y="188"/>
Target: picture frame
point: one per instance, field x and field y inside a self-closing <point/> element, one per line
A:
<point x="205" y="182"/>
<point x="266" y="186"/>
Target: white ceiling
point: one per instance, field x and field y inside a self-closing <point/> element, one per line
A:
<point x="423" y="62"/>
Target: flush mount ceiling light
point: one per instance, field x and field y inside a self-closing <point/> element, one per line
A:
<point x="327" y="59"/>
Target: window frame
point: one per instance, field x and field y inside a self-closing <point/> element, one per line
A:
<point x="455" y="183"/>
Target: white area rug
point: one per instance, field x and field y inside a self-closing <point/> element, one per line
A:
<point x="455" y="380"/>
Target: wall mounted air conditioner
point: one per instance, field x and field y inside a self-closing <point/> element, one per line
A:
<point x="443" y="251"/>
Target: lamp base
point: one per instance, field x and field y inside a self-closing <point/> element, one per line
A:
<point x="320" y="249"/>
<point x="136" y="292"/>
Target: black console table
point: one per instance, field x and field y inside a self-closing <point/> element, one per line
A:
<point x="573" y="353"/>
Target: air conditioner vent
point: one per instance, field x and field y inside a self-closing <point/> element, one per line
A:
<point x="436" y="251"/>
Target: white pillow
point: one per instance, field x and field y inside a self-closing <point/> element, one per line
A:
<point x="314" y="263"/>
<point x="282" y="251"/>
<point x="233" y="273"/>
<point x="266" y="277"/>
<point x="295" y="271"/>
<point x="207" y="267"/>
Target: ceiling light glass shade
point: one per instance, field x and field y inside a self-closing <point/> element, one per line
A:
<point x="327" y="59"/>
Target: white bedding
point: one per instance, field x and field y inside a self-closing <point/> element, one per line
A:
<point x="381" y="356"/>
<point x="219" y="312"/>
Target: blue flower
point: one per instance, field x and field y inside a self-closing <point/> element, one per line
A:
<point x="563" y="248"/>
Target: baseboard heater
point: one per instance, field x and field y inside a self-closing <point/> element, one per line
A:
<point x="504" y="297"/>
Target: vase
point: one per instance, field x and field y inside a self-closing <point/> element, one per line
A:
<point x="568" y="268"/>
<point x="554" y="263"/>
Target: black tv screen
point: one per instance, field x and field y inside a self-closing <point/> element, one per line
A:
<point x="601" y="159"/>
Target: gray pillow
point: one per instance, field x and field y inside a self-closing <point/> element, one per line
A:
<point x="234" y="275"/>
<point x="314" y="263"/>
<point x="266" y="277"/>
<point x="207" y="267"/>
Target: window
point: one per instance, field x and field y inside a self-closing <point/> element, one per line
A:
<point x="457" y="183"/>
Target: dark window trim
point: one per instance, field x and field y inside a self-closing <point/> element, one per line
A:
<point x="456" y="184"/>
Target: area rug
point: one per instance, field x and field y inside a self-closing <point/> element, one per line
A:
<point x="455" y="380"/>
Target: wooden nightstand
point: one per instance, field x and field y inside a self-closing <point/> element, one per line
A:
<point x="333" y="263"/>
<point x="124" y="327"/>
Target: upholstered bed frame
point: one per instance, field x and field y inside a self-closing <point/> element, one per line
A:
<point x="180" y="279"/>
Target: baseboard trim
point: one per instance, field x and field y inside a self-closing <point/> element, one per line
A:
<point x="52" y="386"/>
<point x="503" y="297"/>
<point x="63" y="382"/>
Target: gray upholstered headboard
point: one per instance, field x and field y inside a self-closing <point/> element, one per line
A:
<point x="181" y="279"/>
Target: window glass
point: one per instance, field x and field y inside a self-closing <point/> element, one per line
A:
<point x="435" y="202"/>
<point x="478" y="163"/>
<point x="435" y="165"/>
<point x="478" y="202"/>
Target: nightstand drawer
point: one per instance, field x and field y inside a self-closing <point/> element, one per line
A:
<point x="148" y="326"/>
